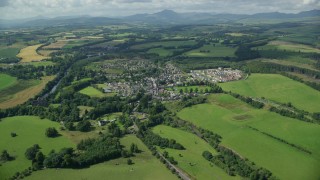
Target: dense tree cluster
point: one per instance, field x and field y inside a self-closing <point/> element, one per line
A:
<point x="51" y="132"/>
<point x="248" y="100"/>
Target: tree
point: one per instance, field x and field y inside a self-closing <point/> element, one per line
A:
<point x="181" y="91"/>
<point x="32" y="152"/>
<point x="5" y="156"/>
<point x="129" y="162"/>
<point x="70" y="126"/>
<point x="51" y="132"/>
<point x="84" y="126"/>
<point x="13" y="134"/>
<point x="134" y="148"/>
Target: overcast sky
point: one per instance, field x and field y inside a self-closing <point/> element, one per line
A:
<point x="13" y="9"/>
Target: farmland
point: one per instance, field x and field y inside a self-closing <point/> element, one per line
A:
<point x="93" y="92"/>
<point x="22" y="91"/>
<point x="277" y="88"/>
<point x="6" y="81"/>
<point x="289" y="46"/>
<point x="163" y="44"/>
<point x="29" y="54"/>
<point x="190" y="159"/>
<point x="231" y="119"/>
<point x="145" y="166"/>
<point x="213" y="50"/>
<point x="30" y="130"/>
<point x="9" y="52"/>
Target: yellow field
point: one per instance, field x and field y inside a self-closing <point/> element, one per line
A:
<point x="23" y="96"/>
<point x="29" y="54"/>
<point x="56" y="45"/>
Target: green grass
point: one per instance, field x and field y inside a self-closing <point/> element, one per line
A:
<point x="30" y="130"/>
<point x="92" y="92"/>
<point x="40" y="63"/>
<point x="278" y="88"/>
<point x="212" y="51"/>
<point x="160" y="51"/>
<point x="200" y="168"/>
<point x="163" y="44"/>
<point x="230" y="118"/>
<point x="289" y="46"/>
<point x="145" y="167"/>
<point x="6" y="81"/>
<point x="9" y="52"/>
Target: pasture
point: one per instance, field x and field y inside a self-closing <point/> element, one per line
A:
<point x="277" y="88"/>
<point x="231" y="118"/>
<point x="212" y="50"/>
<point x="30" y="130"/>
<point x="93" y="92"/>
<point x="190" y="160"/>
<point x="290" y="46"/>
<point x="22" y="91"/>
<point x="9" y="52"/>
<point x="30" y="54"/>
<point x="145" y="167"/>
<point x="174" y="44"/>
<point x="6" y="81"/>
<point x="160" y="51"/>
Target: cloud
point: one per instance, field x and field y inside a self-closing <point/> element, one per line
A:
<point x="27" y="8"/>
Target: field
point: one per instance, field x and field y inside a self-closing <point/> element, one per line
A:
<point x="93" y="92"/>
<point x="8" y="52"/>
<point x="231" y="118"/>
<point x="163" y="44"/>
<point x="289" y="46"/>
<point x="30" y="130"/>
<point x="212" y="51"/>
<point x="145" y="167"/>
<point x="6" y="81"/>
<point x="191" y="161"/>
<point x="160" y="51"/>
<point x="22" y="91"/>
<point x="56" y="45"/>
<point x="30" y="54"/>
<point x="277" y="88"/>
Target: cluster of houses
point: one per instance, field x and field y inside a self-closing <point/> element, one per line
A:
<point x="216" y="75"/>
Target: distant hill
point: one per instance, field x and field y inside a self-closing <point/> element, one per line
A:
<point x="163" y="17"/>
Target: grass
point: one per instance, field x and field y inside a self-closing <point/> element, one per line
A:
<point x="30" y="130"/>
<point x="93" y="92"/>
<point x="289" y="46"/>
<point x="83" y="109"/>
<point x="160" y="51"/>
<point x="6" y="81"/>
<point x="278" y="88"/>
<point x="8" y="52"/>
<point x="145" y="167"/>
<point x="222" y="115"/>
<point x="22" y="91"/>
<point x="163" y="44"/>
<point x="40" y="63"/>
<point x="217" y="50"/>
<point x="29" y="54"/>
<point x="190" y="159"/>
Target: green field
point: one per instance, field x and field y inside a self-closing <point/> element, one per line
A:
<point x="199" y="168"/>
<point x="163" y="44"/>
<point x="30" y="130"/>
<point x="6" y="81"/>
<point x="277" y="88"/>
<point x="289" y="46"/>
<point x="212" y="51"/>
<point x="230" y="118"/>
<point x="160" y="51"/>
<point x="9" y="52"/>
<point x="92" y="92"/>
<point x="145" y="167"/>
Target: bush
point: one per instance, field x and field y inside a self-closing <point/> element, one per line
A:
<point x="51" y="132"/>
<point x="84" y="126"/>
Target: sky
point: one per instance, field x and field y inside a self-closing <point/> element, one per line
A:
<point x="17" y="9"/>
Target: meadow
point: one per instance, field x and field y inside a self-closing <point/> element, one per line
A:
<point x="30" y="130"/>
<point x="277" y="88"/>
<point x="93" y="92"/>
<point x="290" y="46"/>
<point x="160" y="51"/>
<point x="211" y="50"/>
<point x="145" y="167"/>
<point x="6" y="81"/>
<point x="232" y="119"/>
<point x="22" y="91"/>
<point x="9" y="52"/>
<point x="190" y="160"/>
<point x="29" y="54"/>
<point x="163" y="44"/>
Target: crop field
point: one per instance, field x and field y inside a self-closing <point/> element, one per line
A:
<point x="302" y="63"/>
<point x="289" y="46"/>
<point x="30" y="130"/>
<point x="277" y="88"/>
<point x="9" y="52"/>
<point x="212" y="51"/>
<point x="22" y="91"/>
<point x="56" y="45"/>
<point x="30" y="54"/>
<point x="190" y="160"/>
<point x="46" y="52"/>
<point x="76" y="43"/>
<point x="160" y="51"/>
<point x="145" y="167"/>
<point x="163" y="44"/>
<point x="232" y="119"/>
<point x="6" y="81"/>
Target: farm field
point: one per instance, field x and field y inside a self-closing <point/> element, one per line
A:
<point x="56" y="45"/>
<point x="163" y="44"/>
<point x="93" y="92"/>
<point x="212" y="51"/>
<point x="191" y="161"/>
<point x="9" y="52"/>
<point x="160" y="51"/>
<point x="289" y="46"/>
<point x="232" y="119"/>
<point x="145" y="167"/>
<point x="30" y="130"/>
<point x="29" y="54"/>
<point x="292" y="62"/>
<point x="6" y="81"/>
<point x="277" y="88"/>
<point x="22" y="91"/>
